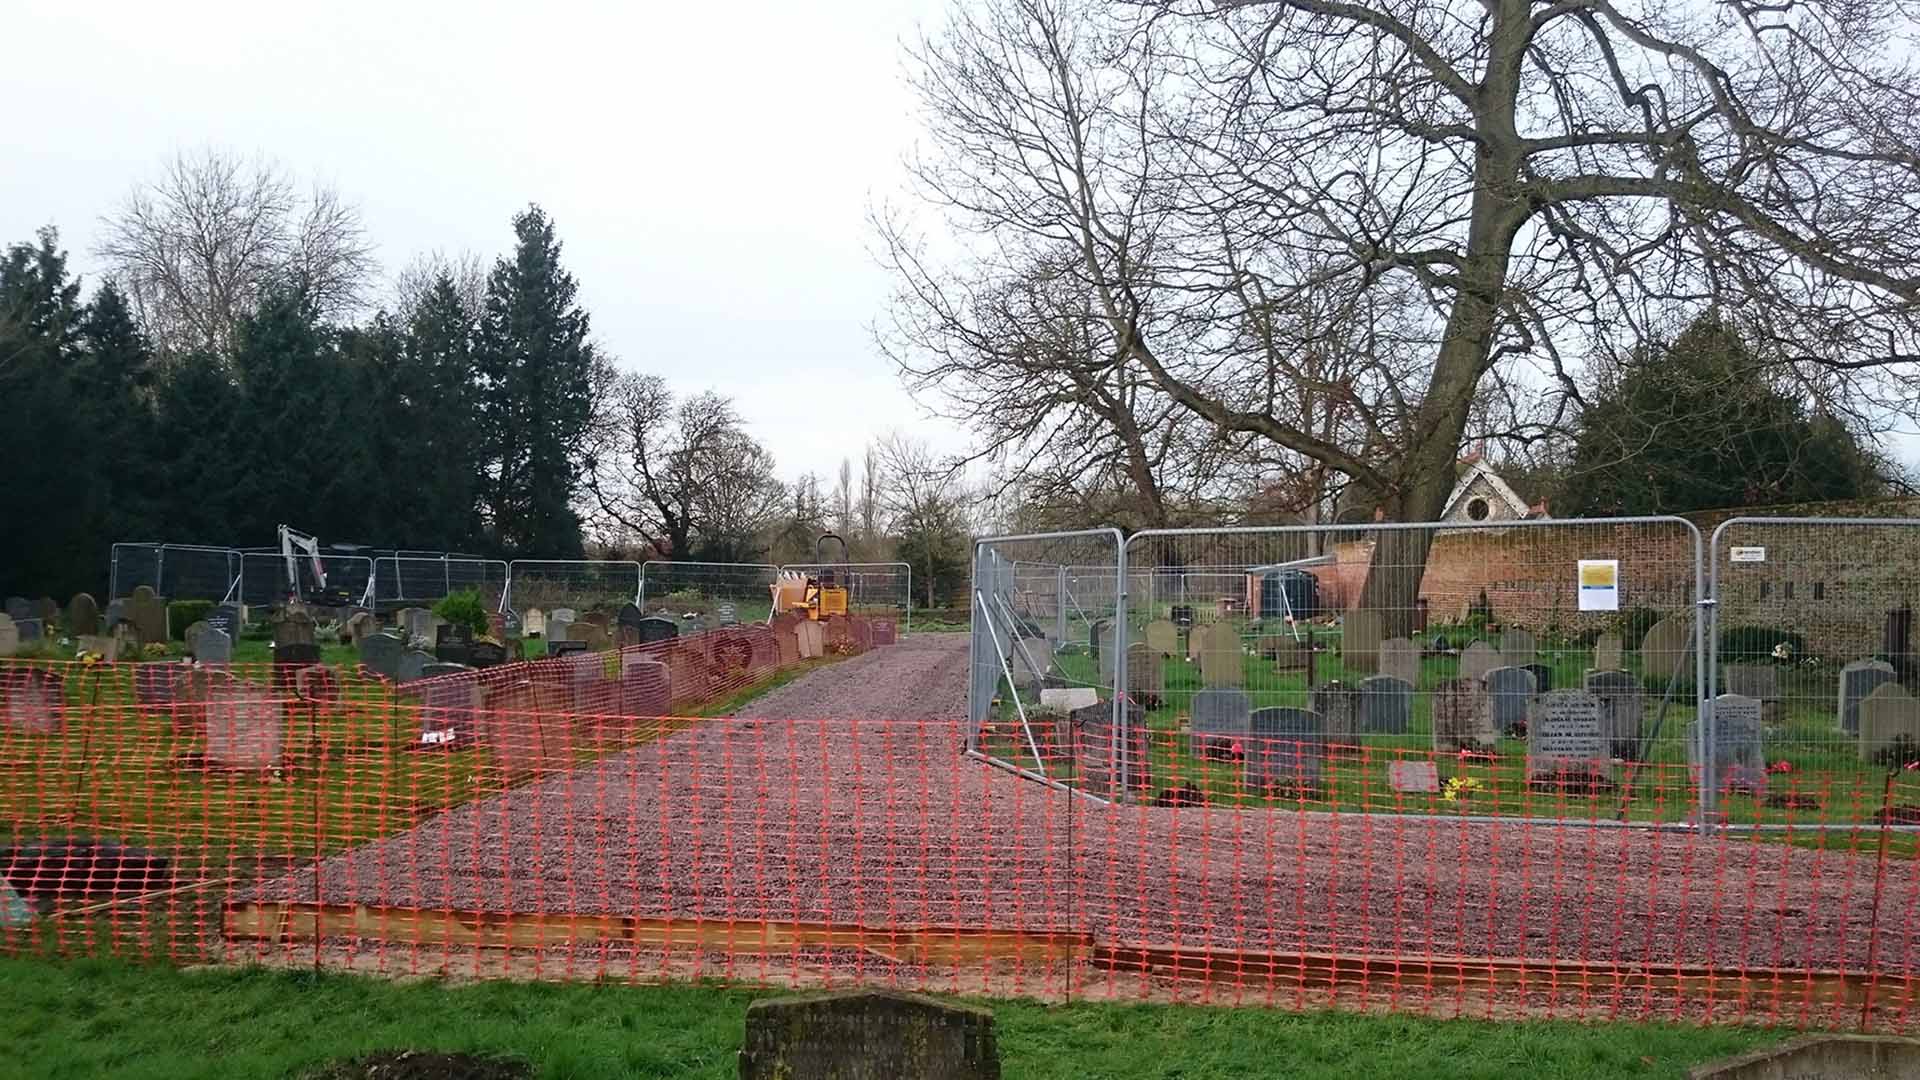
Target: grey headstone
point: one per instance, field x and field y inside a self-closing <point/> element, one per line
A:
<point x="9" y="636"/>
<point x="1564" y="737"/>
<point x="1666" y="652"/>
<point x="30" y="629"/>
<point x="1477" y="659"/>
<point x="18" y="608"/>
<point x="1360" y="637"/>
<point x="1460" y="717"/>
<point x="646" y="690"/>
<point x="1100" y="639"/>
<point x="1413" y="777"/>
<point x="449" y="709"/>
<point x="1510" y="692"/>
<point x="1739" y="757"/>
<point x="1072" y="698"/>
<point x="486" y="654"/>
<point x="1622" y="708"/>
<point x="32" y="700"/>
<point x="244" y="728"/>
<point x="115" y="614"/>
<point x="228" y="619"/>
<point x="1222" y="712"/>
<point x="1400" y="658"/>
<point x="148" y="614"/>
<point x="358" y="626"/>
<point x="1606" y="652"/>
<point x="83" y="615"/>
<point x="1519" y="647"/>
<point x="887" y="632"/>
<point x="559" y="629"/>
<point x="564" y="614"/>
<point x="380" y="653"/>
<point x="436" y="668"/>
<point x="727" y="615"/>
<point x="413" y="664"/>
<point x="1857" y="680"/>
<point x="1820" y="1057"/>
<point x="293" y="627"/>
<point x="1338" y="706"/>
<point x="1542" y="676"/>
<point x="1287" y="653"/>
<point x="414" y="623"/>
<point x="1386" y="705"/>
<point x="208" y="645"/>
<point x="1146" y="679"/>
<point x="1286" y="749"/>
<point x="867" y="1035"/>
<point x="1889" y="725"/>
<point x="1029" y="661"/>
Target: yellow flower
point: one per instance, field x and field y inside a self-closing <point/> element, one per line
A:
<point x="1460" y="788"/>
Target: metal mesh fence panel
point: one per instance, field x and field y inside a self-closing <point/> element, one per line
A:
<point x="1537" y="659"/>
<point x="421" y="579"/>
<point x="1815" y="666"/>
<point x="133" y="565"/>
<point x="871" y="587"/>
<point x="1043" y="642"/>
<point x="583" y="585"/>
<point x="198" y="573"/>
<point x="742" y="591"/>
<point x="263" y="576"/>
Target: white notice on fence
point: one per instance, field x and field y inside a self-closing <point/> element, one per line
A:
<point x="1749" y="554"/>
<point x="1599" y="584"/>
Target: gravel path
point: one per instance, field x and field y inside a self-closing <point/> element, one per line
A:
<point x="843" y="797"/>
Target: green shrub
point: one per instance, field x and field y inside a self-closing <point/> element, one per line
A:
<point x="184" y="613"/>
<point x="1738" y="643"/>
<point x="464" y="609"/>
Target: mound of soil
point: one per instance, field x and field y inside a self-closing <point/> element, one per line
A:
<point x="421" y="1065"/>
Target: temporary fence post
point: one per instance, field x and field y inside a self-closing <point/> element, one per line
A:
<point x="1120" y="743"/>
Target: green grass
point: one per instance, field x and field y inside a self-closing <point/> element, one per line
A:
<point x="97" y="1018"/>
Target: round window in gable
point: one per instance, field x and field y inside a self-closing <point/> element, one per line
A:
<point x="1477" y="509"/>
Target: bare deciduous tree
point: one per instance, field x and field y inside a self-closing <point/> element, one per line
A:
<point x="467" y="271"/>
<point x="193" y="248"/>
<point x="683" y="476"/>
<point x="1496" y="183"/>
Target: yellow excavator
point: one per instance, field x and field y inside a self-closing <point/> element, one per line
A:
<point x="816" y="594"/>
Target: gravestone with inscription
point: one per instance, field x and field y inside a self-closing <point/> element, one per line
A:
<point x="1400" y="658"/>
<point x="1739" y="756"/>
<point x="1221" y="716"/>
<point x="1606" y="652"/>
<point x="1360" y="637"/>
<point x="1565" y="744"/>
<point x="1477" y="659"/>
<point x="1510" y="693"/>
<point x="228" y="619"/>
<point x="887" y="632"/>
<point x="380" y="654"/>
<point x="533" y="622"/>
<point x="449" y="709"/>
<point x="1413" y="777"/>
<point x="209" y="645"/>
<point x="1286" y="751"/>
<point x="1338" y="706"/>
<point x="1857" y="680"/>
<point x="867" y="1035"/>
<point x="1760" y="682"/>
<point x="1622" y="708"/>
<point x="453" y="644"/>
<point x="1146" y="680"/>
<point x="1460" y="717"/>
<point x="1889" y="726"/>
<point x="1386" y="705"/>
<point x="1519" y="647"/>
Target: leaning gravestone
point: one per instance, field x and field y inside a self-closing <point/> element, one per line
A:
<point x="1606" y="652"/>
<point x="1163" y="637"/>
<point x="83" y="615"/>
<point x="1565" y="742"/>
<point x="1360" y="639"/>
<point x="380" y="654"/>
<point x="1739" y="758"/>
<point x="1519" y="647"/>
<point x="1666" y="653"/>
<point x="1857" y="680"/>
<point x="1220" y="716"/>
<point x="209" y="646"/>
<point x="1286" y="750"/>
<point x="1622" y="708"/>
<point x="148" y="614"/>
<point x="867" y="1035"/>
<point x="1220" y="660"/>
<point x="228" y="619"/>
<point x="1760" y="682"/>
<point x="1386" y="705"/>
<point x="813" y="639"/>
<point x="9" y="636"/>
<point x="1029" y="661"/>
<point x="1479" y="658"/>
<point x="1510" y="692"/>
<point x="1400" y="658"/>
<point x="1889" y="726"/>
<point x="1338" y="707"/>
<point x="244" y="728"/>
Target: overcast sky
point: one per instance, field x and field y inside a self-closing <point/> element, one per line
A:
<point x="709" y="166"/>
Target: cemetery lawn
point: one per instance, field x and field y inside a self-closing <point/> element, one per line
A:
<point x="96" y="1018"/>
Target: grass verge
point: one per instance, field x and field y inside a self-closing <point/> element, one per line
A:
<point x="96" y="1018"/>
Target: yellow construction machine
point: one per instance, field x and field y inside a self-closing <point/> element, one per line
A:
<point x="817" y="592"/>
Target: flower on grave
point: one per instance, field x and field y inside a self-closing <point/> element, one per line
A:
<point x="1783" y="651"/>
<point x="157" y="648"/>
<point x="1781" y="766"/>
<point x="1460" y="788"/>
<point x="89" y="659"/>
